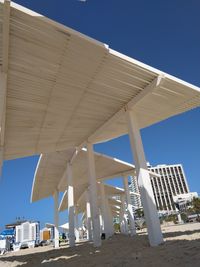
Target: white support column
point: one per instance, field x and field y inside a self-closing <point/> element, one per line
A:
<point x="56" y="219"/>
<point x="93" y="196"/>
<point x="101" y="221"/>
<point x="77" y="227"/>
<point x="88" y="217"/>
<point x="178" y="216"/>
<point x="105" y="212"/>
<point x="129" y="207"/>
<point x="147" y="197"/>
<point x="110" y="220"/>
<point x="121" y="221"/>
<point x="71" y="214"/>
<point x="124" y="220"/>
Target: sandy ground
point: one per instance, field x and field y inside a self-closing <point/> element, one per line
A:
<point x="181" y="248"/>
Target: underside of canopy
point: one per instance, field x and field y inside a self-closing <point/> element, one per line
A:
<point x="63" y="88"/>
<point x="51" y="169"/>
<point x="114" y="201"/>
<point x="80" y="200"/>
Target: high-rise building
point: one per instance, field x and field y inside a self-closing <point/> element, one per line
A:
<point x="135" y="193"/>
<point x="172" y="182"/>
<point x="167" y="187"/>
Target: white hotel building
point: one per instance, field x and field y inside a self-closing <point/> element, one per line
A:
<point x="135" y="193"/>
<point x="167" y="188"/>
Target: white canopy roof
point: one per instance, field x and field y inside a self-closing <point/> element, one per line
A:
<point x="115" y="202"/>
<point x="51" y="169"/>
<point x="61" y="88"/>
<point x="81" y="199"/>
<point x="65" y="226"/>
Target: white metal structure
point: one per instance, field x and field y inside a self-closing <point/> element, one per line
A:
<point x="81" y="200"/>
<point x="106" y="204"/>
<point x="60" y="89"/>
<point x="52" y="169"/>
<point x="56" y="219"/>
<point x="54" y="103"/>
<point x="123" y="219"/>
<point x="55" y="171"/>
<point x="71" y="210"/>
<point x="88" y="216"/>
<point x="93" y="196"/>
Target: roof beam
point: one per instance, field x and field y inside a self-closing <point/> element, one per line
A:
<point x="4" y="75"/>
<point x="154" y="174"/>
<point x="74" y="155"/>
<point x="118" y="174"/>
<point x="64" y="177"/>
<point x="134" y="193"/>
<point x="157" y="82"/>
<point x="62" y="199"/>
<point x="129" y="173"/>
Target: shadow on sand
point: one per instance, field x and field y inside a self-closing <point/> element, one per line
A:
<point x="119" y="251"/>
<point x="180" y="233"/>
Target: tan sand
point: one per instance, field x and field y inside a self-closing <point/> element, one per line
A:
<point x="181" y="248"/>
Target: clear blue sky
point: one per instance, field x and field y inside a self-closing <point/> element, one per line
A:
<point x="163" y="34"/>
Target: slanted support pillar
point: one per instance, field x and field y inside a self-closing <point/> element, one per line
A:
<point x="110" y="216"/>
<point x="101" y="221"/>
<point x="129" y="207"/>
<point x="71" y="214"/>
<point x="122" y="227"/>
<point x="56" y="219"/>
<point x="178" y="215"/>
<point x="123" y="216"/>
<point x="77" y="226"/>
<point x="105" y="212"/>
<point x="93" y="196"/>
<point x="88" y="217"/>
<point x="179" y="218"/>
<point x="147" y="197"/>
